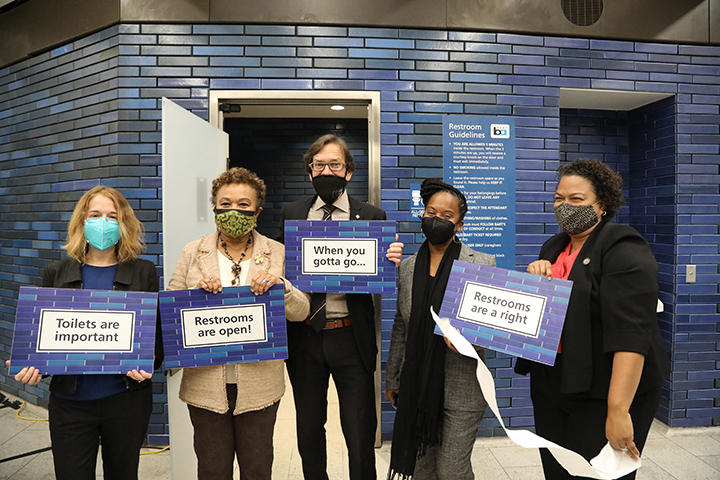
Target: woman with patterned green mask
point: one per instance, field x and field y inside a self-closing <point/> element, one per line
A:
<point x="233" y="407"/>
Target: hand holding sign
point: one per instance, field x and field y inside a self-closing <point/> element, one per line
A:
<point x="394" y="251"/>
<point x="262" y="281"/>
<point x="28" y="375"/>
<point x="541" y="267"/>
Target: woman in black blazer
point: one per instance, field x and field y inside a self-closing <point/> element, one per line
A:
<point x="606" y="382"/>
<point x="104" y="241"/>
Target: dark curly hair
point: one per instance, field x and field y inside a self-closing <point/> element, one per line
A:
<point x="242" y="176"/>
<point x="606" y="183"/>
<point x="431" y="186"/>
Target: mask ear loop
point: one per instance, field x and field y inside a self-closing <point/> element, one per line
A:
<point x="459" y="240"/>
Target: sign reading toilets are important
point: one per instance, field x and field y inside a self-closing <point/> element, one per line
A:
<point x="340" y="256"/>
<point x="517" y="313"/>
<point x="69" y="331"/>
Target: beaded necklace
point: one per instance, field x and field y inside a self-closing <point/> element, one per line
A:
<point x="236" y="268"/>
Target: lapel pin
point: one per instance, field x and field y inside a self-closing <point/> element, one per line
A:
<point x="357" y="216"/>
<point x="586" y="261"/>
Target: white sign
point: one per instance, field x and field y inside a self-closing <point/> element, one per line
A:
<point x="336" y="256"/>
<point x="204" y="327"/>
<point x="501" y="308"/>
<point x="499" y="131"/>
<point x="86" y="331"/>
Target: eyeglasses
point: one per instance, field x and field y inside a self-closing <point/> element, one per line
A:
<point x="320" y="166"/>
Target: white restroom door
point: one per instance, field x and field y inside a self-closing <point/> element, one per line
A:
<point x="193" y="154"/>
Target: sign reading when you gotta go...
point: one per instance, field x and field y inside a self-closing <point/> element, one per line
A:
<point x="346" y="256"/>
<point x="339" y="256"/>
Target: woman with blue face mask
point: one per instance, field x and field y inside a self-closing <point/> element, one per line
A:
<point x="103" y="243"/>
<point x="606" y="382"/>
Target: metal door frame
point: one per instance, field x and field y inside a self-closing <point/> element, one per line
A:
<point x="289" y="97"/>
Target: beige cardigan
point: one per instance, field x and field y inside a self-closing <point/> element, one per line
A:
<point x="260" y="384"/>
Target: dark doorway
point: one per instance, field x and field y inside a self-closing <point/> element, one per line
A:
<point x="273" y="148"/>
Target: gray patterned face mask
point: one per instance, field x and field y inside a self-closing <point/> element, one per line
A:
<point x="575" y="219"/>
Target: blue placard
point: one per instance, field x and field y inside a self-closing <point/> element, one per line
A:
<point x="517" y="313"/>
<point x="201" y="328"/>
<point x="67" y="331"/>
<point x="479" y="160"/>
<point x="340" y="256"/>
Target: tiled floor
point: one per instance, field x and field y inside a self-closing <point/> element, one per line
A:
<point x="681" y="454"/>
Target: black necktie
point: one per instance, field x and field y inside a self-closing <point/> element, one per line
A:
<point x="328" y="210"/>
<point x="317" y="300"/>
<point x="317" y="311"/>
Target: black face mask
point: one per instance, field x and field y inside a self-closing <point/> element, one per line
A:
<point x="437" y="230"/>
<point x="329" y="187"/>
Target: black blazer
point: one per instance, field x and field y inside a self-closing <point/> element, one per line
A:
<point x="360" y="306"/>
<point x="136" y="275"/>
<point x="612" y="308"/>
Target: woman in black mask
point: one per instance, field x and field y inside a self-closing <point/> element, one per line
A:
<point x="438" y="399"/>
<point x="606" y="382"/>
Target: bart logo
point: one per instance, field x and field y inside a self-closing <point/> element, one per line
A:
<point x="499" y="131"/>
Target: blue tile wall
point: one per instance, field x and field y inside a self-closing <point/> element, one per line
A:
<point x="88" y="113"/>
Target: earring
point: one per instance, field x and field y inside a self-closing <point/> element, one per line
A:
<point x="604" y="213"/>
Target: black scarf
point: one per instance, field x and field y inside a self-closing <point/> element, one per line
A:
<point x="418" y="422"/>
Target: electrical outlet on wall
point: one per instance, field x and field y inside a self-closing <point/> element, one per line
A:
<point x="690" y="274"/>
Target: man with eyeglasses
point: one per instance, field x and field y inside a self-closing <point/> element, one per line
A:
<point x="339" y="337"/>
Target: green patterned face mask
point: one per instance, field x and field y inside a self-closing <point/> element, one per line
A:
<point x="235" y="223"/>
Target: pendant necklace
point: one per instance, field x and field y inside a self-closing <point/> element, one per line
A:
<point x="236" y="268"/>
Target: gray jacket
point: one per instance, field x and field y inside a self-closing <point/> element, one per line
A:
<point x="462" y="391"/>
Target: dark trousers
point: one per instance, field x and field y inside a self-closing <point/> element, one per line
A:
<point x="314" y="358"/>
<point x="77" y="428"/>
<point x="577" y="422"/>
<point x="220" y="436"/>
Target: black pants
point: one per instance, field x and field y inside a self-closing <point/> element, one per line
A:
<point x="314" y="358"/>
<point x="220" y="436"/>
<point x="76" y="429"/>
<point x="577" y="422"/>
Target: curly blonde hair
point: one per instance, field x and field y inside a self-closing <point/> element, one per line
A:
<point x="131" y="229"/>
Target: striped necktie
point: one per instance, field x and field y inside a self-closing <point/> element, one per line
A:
<point x="328" y="210"/>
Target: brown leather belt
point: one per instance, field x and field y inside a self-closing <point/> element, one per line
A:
<point x="332" y="323"/>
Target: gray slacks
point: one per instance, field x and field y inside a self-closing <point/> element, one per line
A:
<point x="451" y="459"/>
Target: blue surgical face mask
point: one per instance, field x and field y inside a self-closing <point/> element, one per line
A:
<point x="101" y="233"/>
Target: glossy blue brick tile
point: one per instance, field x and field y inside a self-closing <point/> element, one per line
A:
<point x="338" y="84"/>
<point x="338" y="42"/>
